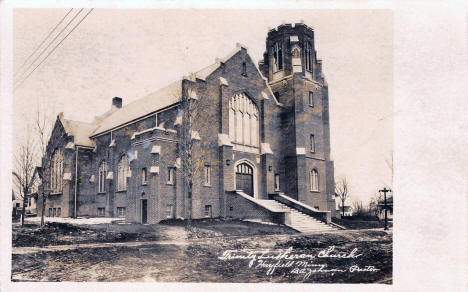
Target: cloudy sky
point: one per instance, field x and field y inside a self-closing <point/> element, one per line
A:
<point x="133" y="52"/>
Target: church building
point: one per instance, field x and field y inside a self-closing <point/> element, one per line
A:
<point x="254" y="140"/>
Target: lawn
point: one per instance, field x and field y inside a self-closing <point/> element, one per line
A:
<point x="54" y="233"/>
<point x="357" y="223"/>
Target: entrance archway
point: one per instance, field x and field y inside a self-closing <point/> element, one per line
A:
<point x="245" y="178"/>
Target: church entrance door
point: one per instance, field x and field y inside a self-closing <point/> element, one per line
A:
<point x="244" y="178"/>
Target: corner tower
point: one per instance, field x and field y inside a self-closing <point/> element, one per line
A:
<point x="295" y="76"/>
<point x="291" y="50"/>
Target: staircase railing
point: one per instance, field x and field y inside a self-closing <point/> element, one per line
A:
<point x="324" y="216"/>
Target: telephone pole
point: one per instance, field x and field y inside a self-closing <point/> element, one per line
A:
<point x="385" y="191"/>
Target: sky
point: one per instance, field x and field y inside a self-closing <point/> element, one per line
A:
<point x="133" y="52"/>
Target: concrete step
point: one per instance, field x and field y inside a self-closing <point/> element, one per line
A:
<point x="299" y="221"/>
<point x="302" y="222"/>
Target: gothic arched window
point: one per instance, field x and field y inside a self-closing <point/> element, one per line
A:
<point x="243" y="120"/>
<point x="314" y="181"/>
<point x="102" y="177"/>
<point x="123" y="171"/>
<point x="56" y="172"/>
<point x="277" y="51"/>
<point x="308" y="51"/>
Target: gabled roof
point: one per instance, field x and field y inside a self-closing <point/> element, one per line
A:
<point x="149" y="104"/>
<point x="160" y="99"/>
<point x="80" y="131"/>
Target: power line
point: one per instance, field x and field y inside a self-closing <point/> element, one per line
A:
<point x="45" y="49"/>
<point x="54" y="48"/>
<point x="43" y="41"/>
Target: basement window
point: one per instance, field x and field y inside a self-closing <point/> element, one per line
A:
<point x="121" y="211"/>
<point x="169" y="211"/>
<point x="101" y="212"/>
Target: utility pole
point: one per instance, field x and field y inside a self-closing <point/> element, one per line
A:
<point x="385" y="191"/>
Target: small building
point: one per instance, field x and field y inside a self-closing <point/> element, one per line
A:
<point x="32" y="196"/>
<point x="348" y="210"/>
<point x="16" y="205"/>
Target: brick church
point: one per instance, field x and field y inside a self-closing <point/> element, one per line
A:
<point x="259" y="144"/>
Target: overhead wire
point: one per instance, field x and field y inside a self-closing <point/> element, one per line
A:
<point x="18" y="85"/>
<point x="51" y="42"/>
<point x="43" y="41"/>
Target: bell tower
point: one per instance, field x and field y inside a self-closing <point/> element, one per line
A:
<point x="290" y="49"/>
<point x="295" y="76"/>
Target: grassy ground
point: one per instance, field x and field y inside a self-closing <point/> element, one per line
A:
<point x="64" y="233"/>
<point x="356" y="223"/>
<point x="198" y="260"/>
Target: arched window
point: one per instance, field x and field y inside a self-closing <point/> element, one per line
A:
<point x="314" y="180"/>
<point x="123" y="171"/>
<point x="56" y="173"/>
<point x="102" y="177"/>
<point x="243" y="120"/>
<point x="277" y="51"/>
<point x="308" y="52"/>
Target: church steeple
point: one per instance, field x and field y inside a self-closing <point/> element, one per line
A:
<point x="290" y="49"/>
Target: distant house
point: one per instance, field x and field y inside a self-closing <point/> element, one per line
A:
<point x="381" y="208"/>
<point x="32" y="196"/>
<point x="348" y="211"/>
<point x="17" y="204"/>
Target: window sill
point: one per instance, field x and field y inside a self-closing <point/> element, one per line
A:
<point x="121" y="191"/>
<point x="170" y="183"/>
<point x="144" y="184"/>
<point x="208" y="186"/>
<point x="100" y="193"/>
<point x="55" y="194"/>
<point x="315" y="191"/>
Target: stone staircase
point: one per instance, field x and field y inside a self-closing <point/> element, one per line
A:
<point x="299" y="221"/>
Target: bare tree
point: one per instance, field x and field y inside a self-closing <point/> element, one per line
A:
<point x="341" y="191"/>
<point x="42" y="129"/>
<point x="23" y="173"/>
<point x="358" y="208"/>
<point x="374" y="208"/>
<point x="195" y="113"/>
